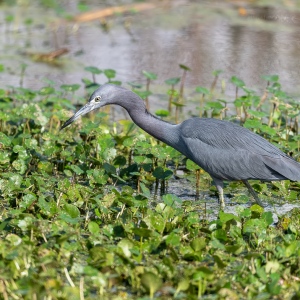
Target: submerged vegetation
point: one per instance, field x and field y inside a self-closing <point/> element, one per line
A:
<point x="78" y="219"/>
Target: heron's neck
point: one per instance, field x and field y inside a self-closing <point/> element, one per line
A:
<point x="159" y="129"/>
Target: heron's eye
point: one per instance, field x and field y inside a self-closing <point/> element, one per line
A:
<point x="97" y="99"/>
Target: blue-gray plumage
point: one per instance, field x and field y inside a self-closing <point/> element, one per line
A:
<point x="223" y="149"/>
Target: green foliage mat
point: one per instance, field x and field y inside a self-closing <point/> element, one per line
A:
<point x="78" y="220"/>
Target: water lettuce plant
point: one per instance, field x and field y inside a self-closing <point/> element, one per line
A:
<point x="80" y="219"/>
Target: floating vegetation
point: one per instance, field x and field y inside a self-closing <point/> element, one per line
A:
<point x="78" y="219"/>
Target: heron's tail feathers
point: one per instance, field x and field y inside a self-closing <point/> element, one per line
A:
<point x="286" y="167"/>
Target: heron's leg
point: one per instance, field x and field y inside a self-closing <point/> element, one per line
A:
<point x="219" y="186"/>
<point x="252" y="192"/>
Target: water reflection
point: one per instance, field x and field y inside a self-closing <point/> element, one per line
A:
<point x="208" y="206"/>
<point x="244" y="41"/>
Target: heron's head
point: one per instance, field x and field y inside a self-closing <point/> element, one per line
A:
<point x="104" y="95"/>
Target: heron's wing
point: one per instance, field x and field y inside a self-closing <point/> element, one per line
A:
<point x="229" y="151"/>
<point x="228" y="164"/>
<point x="226" y="135"/>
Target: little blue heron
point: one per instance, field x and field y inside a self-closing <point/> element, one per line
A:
<point x="223" y="149"/>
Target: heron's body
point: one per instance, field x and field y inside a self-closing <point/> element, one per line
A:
<point x="223" y="149"/>
<point x="230" y="152"/>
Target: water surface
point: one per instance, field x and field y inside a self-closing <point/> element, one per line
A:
<point x="245" y="40"/>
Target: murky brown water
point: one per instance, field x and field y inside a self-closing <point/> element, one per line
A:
<point x="241" y="39"/>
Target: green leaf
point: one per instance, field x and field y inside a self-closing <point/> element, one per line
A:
<point x="220" y="234"/>
<point x="202" y="90"/>
<point x="155" y="221"/>
<point x="145" y="190"/>
<point x="171" y="199"/>
<point x="173" y="239"/>
<point x="68" y="173"/>
<point x="71" y="210"/>
<point x="273" y="287"/>
<point x="235" y="249"/>
<point x="70" y="87"/>
<point x="115" y="82"/>
<point x="161" y="173"/>
<point x="172" y="81"/>
<point x="237" y="81"/>
<point x="217" y="244"/>
<point x="198" y="244"/>
<point x="142" y="232"/>
<point x="184" y="67"/>
<point x="267" y="129"/>
<point x="143" y="94"/>
<point x="253" y="123"/>
<point x="257" y="114"/>
<point x="26" y="223"/>
<point x="225" y="217"/>
<point x="110" y="169"/>
<point x="47" y="90"/>
<point x="217" y="72"/>
<point x="272" y="266"/>
<point x="254" y="226"/>
<point x="257" y="209"/>
<point x="202" y="272"/>
<point x="109" y="73"/>
<point x="190" y="165"/>
<point x="45" y="166"/>
<point x="162" y="112"/>
<point x="126" y="245"/>
<point x="120" y="161"/>
<point x="135" y="85"/>
<point x="149" y="75"/>
<point x="96" y="176"/>
<point x="271" y="78"/>
<point x="20" y="165"/>
<point x="243" y="101"/>
<point x="151" y="282"/>
<point x="28" y="200"/>
<point x="14" y="239"/>
<point x="77" y="170"/>
<point x="219" y="262"/>
<point x="177" y="104"/>
<point x="292" y="249"/>
<point x="4" y="139"/>
<point x="4" y="157"/>
<point x="268" y="217"/>
<point x="93" y="228"/>
<point x="215" y="105"/>
<point x="48" y="208"/>
<point x="93" y="70"/>
<point x="183" y="285"/>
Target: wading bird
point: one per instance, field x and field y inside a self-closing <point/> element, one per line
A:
<point x="223" y="149"/>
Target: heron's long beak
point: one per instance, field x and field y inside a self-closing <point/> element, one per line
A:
<point x="82" y="111"/>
